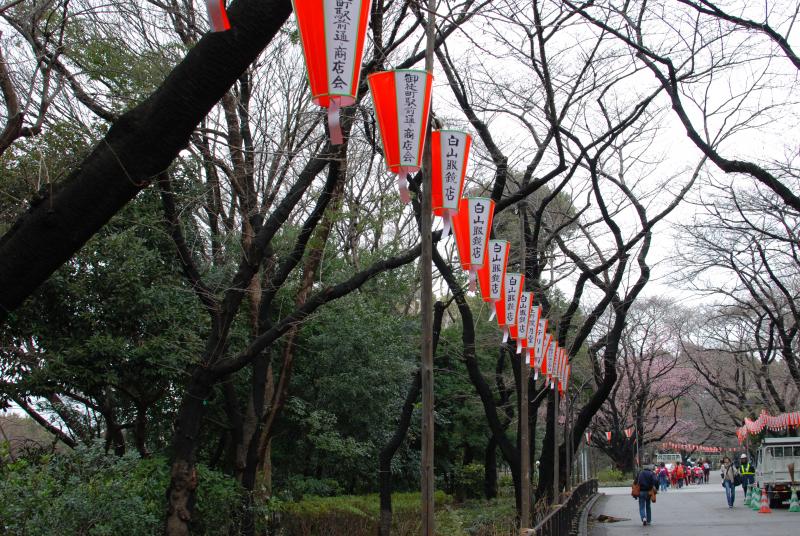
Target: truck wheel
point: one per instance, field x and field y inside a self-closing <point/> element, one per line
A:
<point x="774" y="501"/>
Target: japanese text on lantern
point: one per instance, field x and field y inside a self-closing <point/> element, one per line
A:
<point x="478" y="226"/>
<point x="522" y="320"/>
<point x="512" y="285"/>
<point x="496" y="270"/>
<point x="341" y="25"/>
<point x="410" y="94"/>
<point x="452" y="153"/>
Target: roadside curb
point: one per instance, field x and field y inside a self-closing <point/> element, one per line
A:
<point x="583" y="522"/>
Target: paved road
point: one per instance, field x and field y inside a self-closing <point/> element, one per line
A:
<point x="694" y="510"/>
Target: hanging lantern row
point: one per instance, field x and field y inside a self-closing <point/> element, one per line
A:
<point x="688" y="447"/>
<point x="774" y="423"/>
<point x="449" y="155"/>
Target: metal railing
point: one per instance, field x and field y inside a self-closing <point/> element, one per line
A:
<point x="561" y="520"/>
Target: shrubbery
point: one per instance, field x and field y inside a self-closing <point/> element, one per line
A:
<point x="87" y="491"/>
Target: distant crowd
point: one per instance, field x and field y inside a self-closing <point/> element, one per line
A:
<point x="682" y="474"/>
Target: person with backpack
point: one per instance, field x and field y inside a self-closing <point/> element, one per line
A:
<point x="647" y="483"/>
<point x="679" y="473"/>
<point x="730" y="479"/>
<point x="663" y="477"/>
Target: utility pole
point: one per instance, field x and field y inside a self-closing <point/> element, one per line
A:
<point x="555" y="446"/>
<point x="426" y="302"/>
<point x="524" y="374"/>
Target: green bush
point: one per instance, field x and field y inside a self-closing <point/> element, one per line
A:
<point x="86" y="491"/>
<point x="468" y="481"/>
<point x="358" y="515"/>
<point x="611" y="475"/>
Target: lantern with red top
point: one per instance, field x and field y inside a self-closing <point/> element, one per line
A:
<point x="530" y="335"/>
<point x="491" y="275"/>
<point x="472" y="227"/>
<point x="539" y="350"/>
<point x="520" y="331"/>
<point x="217" y="16"/>
<point x="332" y="33"/>
<point x="402" y="104"/>
<point x="449" y="154"/>
<point x="550" y="360"/>
<point x="507" y="305"/>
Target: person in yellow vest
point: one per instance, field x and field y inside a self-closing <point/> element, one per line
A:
<point x="747" y="471"/>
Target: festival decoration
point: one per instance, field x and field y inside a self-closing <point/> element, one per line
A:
<point x="588" y="438"/>
<point x="551" y="360"/>
<point x="507" y="307"/>
<point x="540" y="346"/>
<point x="402" y="103"/>
<point x="493" y="271"/>
<point x="449" y="155"/>
<point x="332" y="33"/>
<point x="520" y="331"/>
<point x="775" y="423"/>
<point x="530" y="335"/>
<point x="608" y="436"/>
<point x="472" y="227"/>
<point x="217" y="16"/>
<point x="548" y="340"/>
<point x="628" y="432"/>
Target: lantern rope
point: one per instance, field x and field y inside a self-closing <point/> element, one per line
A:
<point x="217" y="16"/>
<point x="334" y="121"/>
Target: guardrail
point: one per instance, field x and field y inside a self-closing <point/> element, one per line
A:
<point x="560" y="521"/>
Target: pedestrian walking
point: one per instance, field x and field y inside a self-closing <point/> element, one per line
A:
<point x="663" y="477"/>
<point x="706" y="470"/>
<point x="747" y="471"/>
<point x="730" y="479"/>
<point x="679" y="474"/>
<point x="648" y="487"/>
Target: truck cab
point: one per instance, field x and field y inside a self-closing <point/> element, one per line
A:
<point x="772" y="472"/>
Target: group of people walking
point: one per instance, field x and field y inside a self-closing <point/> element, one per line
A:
<point x="651" y="480"/>
<point x="682" y="474"/>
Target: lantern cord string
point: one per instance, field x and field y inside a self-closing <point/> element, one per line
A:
<point x="446" y="218"/>
<point x="334" y="122"/>
<point x="402" y="183"/>
<point x="217" y="17"/>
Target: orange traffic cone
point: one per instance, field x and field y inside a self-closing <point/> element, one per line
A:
<point x="764" y="503"/>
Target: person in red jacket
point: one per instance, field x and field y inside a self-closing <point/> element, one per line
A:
<point x="680" y="474"/>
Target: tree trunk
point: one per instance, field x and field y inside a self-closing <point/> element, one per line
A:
<point x="490" y="469"/>
<point x="183" y="476"/>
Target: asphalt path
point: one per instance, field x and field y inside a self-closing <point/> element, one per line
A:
<point x="694" y="510"/>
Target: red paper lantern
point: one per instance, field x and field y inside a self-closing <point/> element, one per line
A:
<point x="588" y="438"/>
<point x="449" y="155"/>
<point x="507" y="306"/>
<point x="472" y="227"/>
<point x="493" y="271"/>
<point x="402" y="103"/>
<point x="217" y="16"/>
<point x="520" y="331"/>
<point x="628" y="432"/>
<point x="530" y="335"/>
<point x="608" y="436"/>
<point x="332" y="33"/>
<point x="551" y="360"/>
<point x="541" y="346"/>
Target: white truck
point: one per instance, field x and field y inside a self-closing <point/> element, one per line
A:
<point x="772" y="472"/>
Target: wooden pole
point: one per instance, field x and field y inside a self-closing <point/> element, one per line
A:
<point x="426" y="302"/>
<point x="524" y="435"/>
<point x="556" y="475"/>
